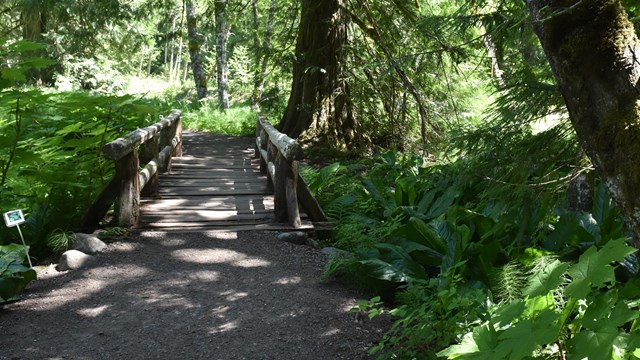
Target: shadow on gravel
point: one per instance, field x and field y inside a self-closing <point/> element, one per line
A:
<point x="211" y="295"/>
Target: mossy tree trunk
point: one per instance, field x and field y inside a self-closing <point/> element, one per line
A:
<point x="262" y="50"/>
<point x="319" y="106"/>
<point x="34" y="21"/>
<point x="595" y="56"/>
<point x="195" y="39"/>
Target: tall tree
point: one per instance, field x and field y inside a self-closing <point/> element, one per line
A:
<point x="222" y="34"/>
<point x="34" y="19"/>
<point x="261" y="50"/>
<point x="319" y="106"/>
<point x="593" y="51"/>
<point x="195" y="39"/>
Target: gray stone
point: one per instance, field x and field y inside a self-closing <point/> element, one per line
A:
<point x="73" y="260"/>
<point x="331" y="251"/>
<point x="88" y="243"/>
<point x="294" y="237"/>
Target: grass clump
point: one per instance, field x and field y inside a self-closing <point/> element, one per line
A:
<point x="238" y="120"/>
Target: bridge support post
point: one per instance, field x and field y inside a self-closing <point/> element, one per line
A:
<point x="176" y="132"/>
<point x="149" y="152"/>
<point x="280" y="196"/>
<point x="129" y="198"/>
<point x="291" y="183"/>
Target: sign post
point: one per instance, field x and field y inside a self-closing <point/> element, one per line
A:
<point x="15" y="218"/>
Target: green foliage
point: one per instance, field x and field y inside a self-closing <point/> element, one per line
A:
<point x="240" y="73"/>
<point x="430" y="315"/>
<point x="14" y="276"/>
<point x="112" y="233"/>
<point x="237" y="120"/>
<point x="50" y="155"/>
<point x="588" y="315"/>
<point x="59" y="241"/>
<point x="14" y="66"/>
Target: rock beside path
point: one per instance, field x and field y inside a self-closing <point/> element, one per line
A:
<point x="73" y="260"/>
<point x="88" y="244"/>
<point x="294" y="237"/>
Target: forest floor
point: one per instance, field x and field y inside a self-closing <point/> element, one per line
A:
<point x="208" y="295"/>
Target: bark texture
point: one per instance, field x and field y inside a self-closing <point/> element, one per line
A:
<point x="34" y="21"/>
<point x="319" y="106"/>
<point x="262" y="50"/>
<point x="594" y="53"/>
<point x="222" y="33"/>
<point x="195" y="39"/>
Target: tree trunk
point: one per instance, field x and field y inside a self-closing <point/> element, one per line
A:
<point x="222" y="32"/>
<point x="319" y="106"/>
<point x="262" y="52"/>
<point x="177" y="64"/>
<point x="593" y="51"/>
<point x="195" y="39"/>
<point x="172" y="46"/>
<point x="34" y="24"/>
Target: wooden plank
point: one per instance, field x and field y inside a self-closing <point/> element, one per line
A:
<point x="177" y="165"/>
<point x="165" y="191"/>
<point x="187" y="224"/>
<point x="216" y="173"/>
<point x="227" y="228"/>
<point x="208" y="181"/>
<point x="206" y="213"/>
<point x="216" y="159"/>
<point x="168" y="180"/>
<point x="213" y="188"/>
<point x="198" y="216"/>
<point x="243" y="202"/>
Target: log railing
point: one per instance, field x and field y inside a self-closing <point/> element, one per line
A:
<point x="280" y="157"/>
<point x="157" y="144"/>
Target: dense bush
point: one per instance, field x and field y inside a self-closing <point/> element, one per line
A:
<point x="456" y="240"/>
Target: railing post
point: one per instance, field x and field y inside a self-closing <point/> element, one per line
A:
<point x="272" y="152"/>
<point x="129" y="199"/>
<point x="256" y="154"/>
<point x="149" y="152"/>
<point x="177" y="132"/>
<point x="165" y="140"/>
<point x="291" y="184"/>
<point x="279" y="191"/>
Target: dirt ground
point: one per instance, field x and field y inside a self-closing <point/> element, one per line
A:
<point x="224" y="295"/>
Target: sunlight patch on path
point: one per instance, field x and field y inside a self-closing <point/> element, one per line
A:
<point x="288" y="280"/>
<point x="93" y="312"/>
<point x="219" y="256"/>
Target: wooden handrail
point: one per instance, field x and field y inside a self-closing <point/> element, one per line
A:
<point x="280" y="157"/>
<point x="158" y="143"/>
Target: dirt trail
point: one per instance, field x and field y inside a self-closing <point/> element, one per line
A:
<point x="225" y="295"/>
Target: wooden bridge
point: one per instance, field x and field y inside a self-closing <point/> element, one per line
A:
<point x="208" y="182"/>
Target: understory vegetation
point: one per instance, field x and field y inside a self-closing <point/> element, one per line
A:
<point x="461" y="197"/>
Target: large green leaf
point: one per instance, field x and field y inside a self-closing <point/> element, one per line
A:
<point x="549" y="278"/>
<point x="522" y="338"/>
<point x="594" y="345"/>
<point x="12" y="74"/>
<point x="11" y="287"/>
<point x="443" y="203"/>
<point x="418" y="231"/>
<point x="594" y="269"/>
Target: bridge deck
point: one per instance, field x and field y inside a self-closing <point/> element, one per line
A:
<point x="215" y="185"/>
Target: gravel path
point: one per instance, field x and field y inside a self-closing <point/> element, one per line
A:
<point x="225" y="295"/>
